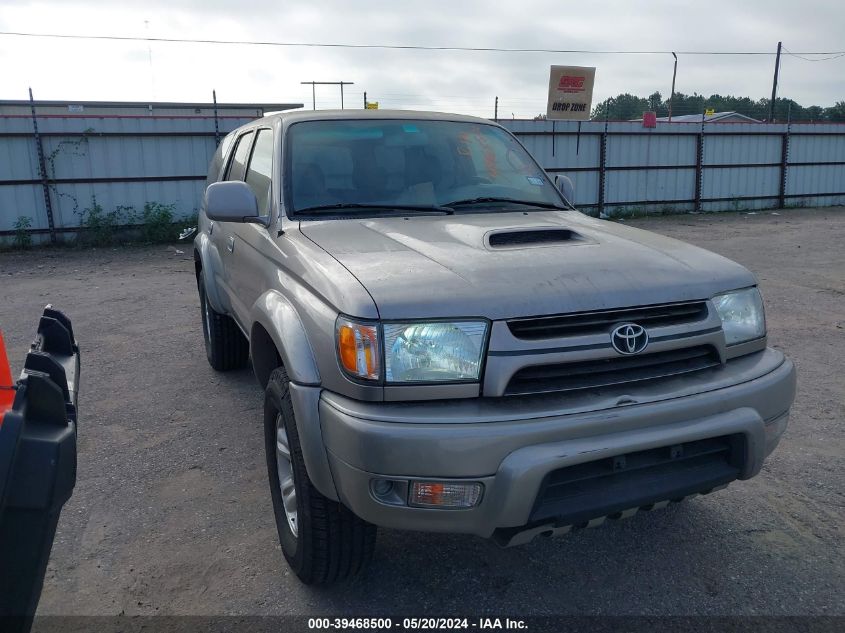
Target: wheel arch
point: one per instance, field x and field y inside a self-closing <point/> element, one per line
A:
<point x="207" y="262"/>
<point x="277" y="337"/>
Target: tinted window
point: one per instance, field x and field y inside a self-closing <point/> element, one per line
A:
<point x="238" y="164"/>
<point x="410" y="162"/>
<point x="215" y="168"/>
<point x="258" y="176"/>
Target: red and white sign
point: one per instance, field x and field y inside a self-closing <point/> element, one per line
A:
<point x="571" y="93"/>
<point x="571" y="83"/>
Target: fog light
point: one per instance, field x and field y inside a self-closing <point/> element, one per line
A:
<point x="436" y="494"/>
<point x="382" y="487"/>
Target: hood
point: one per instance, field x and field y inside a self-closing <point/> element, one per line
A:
<point x="506" y="265"/>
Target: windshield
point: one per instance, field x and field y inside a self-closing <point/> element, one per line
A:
<point x="346" y="165"/>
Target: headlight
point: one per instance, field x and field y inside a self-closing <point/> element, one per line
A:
<point x="437" y="351"/>
<point x="742" y="315"/>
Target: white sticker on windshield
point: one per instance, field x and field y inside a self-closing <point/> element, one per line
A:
<point x="535" y="180"/>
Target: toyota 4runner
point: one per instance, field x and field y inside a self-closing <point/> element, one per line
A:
<point x="446" y="344"/>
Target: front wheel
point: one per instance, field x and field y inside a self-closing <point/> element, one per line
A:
<point x="322" y="540"/>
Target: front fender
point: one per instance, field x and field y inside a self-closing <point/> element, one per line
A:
<point x="211" y="266"/>
<point x="279" y="318"/>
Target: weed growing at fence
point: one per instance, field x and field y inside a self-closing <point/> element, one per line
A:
<point x="22" y="237"/>
<point x="157" y="222"/>
<point x="100" y="225"/>
<point x="76" y="148"/>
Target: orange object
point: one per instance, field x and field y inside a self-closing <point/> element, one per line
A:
<point x="358" y="346"/>
<point x="7" y="391"/>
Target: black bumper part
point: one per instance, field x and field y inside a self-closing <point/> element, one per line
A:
<point x="37" y="466"/>
<point x="575" y="495"/>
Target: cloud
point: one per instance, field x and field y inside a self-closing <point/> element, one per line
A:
<point x="445" y="80"/>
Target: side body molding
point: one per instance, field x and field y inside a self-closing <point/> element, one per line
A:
<point x="278" y="316"/>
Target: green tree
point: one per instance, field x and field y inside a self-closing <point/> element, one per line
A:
<point x="626" y="106"/>
<point x="836" y="112"/>
<point x="621" y="108"/>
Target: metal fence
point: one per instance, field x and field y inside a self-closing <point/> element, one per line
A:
<point x="53" y="167"/>
<point x="620" y="167"/>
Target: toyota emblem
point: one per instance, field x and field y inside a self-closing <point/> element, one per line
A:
<point x="629" y="338"/>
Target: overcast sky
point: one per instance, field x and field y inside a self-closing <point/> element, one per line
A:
<point x="449" y="81"/>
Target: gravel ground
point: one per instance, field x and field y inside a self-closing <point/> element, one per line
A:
<point x="171" y="512"/>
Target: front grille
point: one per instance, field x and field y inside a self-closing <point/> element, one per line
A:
<point x="576" y="494"/>
<point x="596" y="322"/>
<point x="604" y="372"/>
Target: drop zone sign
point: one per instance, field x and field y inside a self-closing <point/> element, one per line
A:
<point x="571" y="93"/>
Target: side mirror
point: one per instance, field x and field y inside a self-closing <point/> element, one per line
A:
<point x="564" y="183"/>
<point x="231" y="201"/>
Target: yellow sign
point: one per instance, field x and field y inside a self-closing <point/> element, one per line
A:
<point x="570" y="93"/>
<point x="709" y="112"/>
<point x="372" y="105"/>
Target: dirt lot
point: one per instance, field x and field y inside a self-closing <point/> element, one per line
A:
<point x="171" y="513"/>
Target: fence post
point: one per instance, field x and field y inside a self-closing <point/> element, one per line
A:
<point x="602" y="170"/>
<point x="699" y="166"/>
<point x="216" y="122"/>
<point x="42" y="166"/>
<point x="784" y="167"/>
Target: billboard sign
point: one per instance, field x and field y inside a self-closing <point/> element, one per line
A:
<point x="571" y="93"/>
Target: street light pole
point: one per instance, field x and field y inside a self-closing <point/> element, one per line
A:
<point x="326" y="83"/>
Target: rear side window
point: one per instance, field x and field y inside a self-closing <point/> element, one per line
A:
<point x="259" y="174"/>
<point x="238" y="164"/>
<point x="218" y="162"/>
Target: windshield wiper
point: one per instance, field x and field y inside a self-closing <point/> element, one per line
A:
<point x="326" y="209"/>
<point x="530" y="203"/>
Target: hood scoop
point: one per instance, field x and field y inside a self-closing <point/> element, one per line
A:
<point x="520" y="238"/>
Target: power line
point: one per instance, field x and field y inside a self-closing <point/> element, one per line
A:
<point x="833" y="55"/>
<point x="120" y="38"/>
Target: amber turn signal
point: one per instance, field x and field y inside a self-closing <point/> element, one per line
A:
<point x="358" y="349"/>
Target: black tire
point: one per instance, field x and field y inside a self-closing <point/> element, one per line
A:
<point x="225" y="345"/>
<point x="331" y="543"/>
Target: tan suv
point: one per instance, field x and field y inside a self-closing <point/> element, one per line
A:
<point x="447" y="344"/>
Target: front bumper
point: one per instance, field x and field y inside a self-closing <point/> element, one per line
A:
<point x="512" y="454"/>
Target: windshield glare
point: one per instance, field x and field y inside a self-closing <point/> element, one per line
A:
<point x="409" y="163"/>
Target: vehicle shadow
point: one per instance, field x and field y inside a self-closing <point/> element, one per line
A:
<point x="670" y="561"/>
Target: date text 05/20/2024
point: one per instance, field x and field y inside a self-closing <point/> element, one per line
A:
<point x="488" y="624"/>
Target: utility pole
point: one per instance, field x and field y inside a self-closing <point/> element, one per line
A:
<point x="326" y="83"/>
<point x="672" y="95"/>
<point x="365" y="99"/>
<point x="496" y="110"/>
<point x="775" y="85"/>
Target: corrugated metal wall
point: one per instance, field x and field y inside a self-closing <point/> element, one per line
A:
<point x="618" y="167"/>
<point x="622" y="167"/>
<point x="121" y="161"/>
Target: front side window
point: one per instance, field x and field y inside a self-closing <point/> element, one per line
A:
<point x="410" y="163"/>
